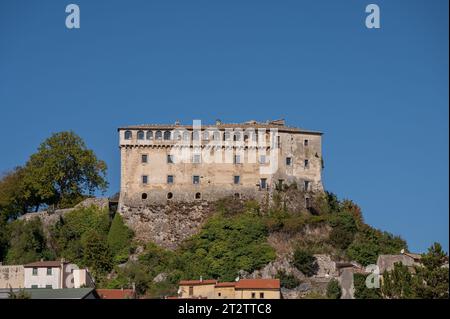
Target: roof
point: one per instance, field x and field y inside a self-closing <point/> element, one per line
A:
<point x="222" y="126"/>
<point x="412" y="255"/>
<point x="197" y="282"/>
<point x="43" y="293"/>
<point x="226" y="284"/>
<point x="115" y="293"/>
<point x="258" y="284"/>
<point x="49" y="263"/>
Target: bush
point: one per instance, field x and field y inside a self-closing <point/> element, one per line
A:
<point x="362" y="291"/>
<point x="119" y="239"/>
<point x="334" y="290"/>
<point x="305" y="262"/>
<point x="287" y="281"/>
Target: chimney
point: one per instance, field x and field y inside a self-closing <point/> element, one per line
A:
<point x="133" y="285"/>
<point x="42" y="259"/>
<point x="201" y="279"/>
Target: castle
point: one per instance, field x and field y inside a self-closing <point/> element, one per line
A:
<point x="185" y="163"/>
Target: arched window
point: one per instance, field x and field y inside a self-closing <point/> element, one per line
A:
<point x="167" y="135"/>
<point x="237" y="136"/>
<point x="140" y="135"/>
<point x="216" y="136"/>
<point x="198" y="196"/>
<point x="128" y="135"/>
<point x="176" y="135"/>
<point x="149" y="135"/>
<point x="226" y="136"/>
<point x="205" y="135"/>
<point x="186" y="135"/>
<point x="158" y="135"/>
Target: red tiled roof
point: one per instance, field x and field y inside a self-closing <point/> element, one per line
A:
<point x="49" y="263"/>
<point x="258" y="284"/>
<point x="197" y="282"/>
<point x="115" y="293"/>
<point x="225" y="284"/>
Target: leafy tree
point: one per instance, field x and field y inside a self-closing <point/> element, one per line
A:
<point x="119" y="239"/>
<point x="305" y="262"/>
<point x="433" y="277"/>
<point x="344" y="230"/>
<point x="287" y="281"/>
<point x="63" y="170"/>
<point x="362" y="291"/>
<point x="96" y="253"/>
<point x="334" y="290"/>
<point x="398" y="283"/>
<point x="27" y="242"/>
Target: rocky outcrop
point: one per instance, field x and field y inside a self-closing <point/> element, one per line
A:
<point x="166" y="225"/>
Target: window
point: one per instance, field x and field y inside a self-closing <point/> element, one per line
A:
<point x="34" y="286"/>
<point x="177" y="135"/>
<point x="198" y="196"/>
<point x="278" y="141"/>
<point x="191" y="291"/>
<point x="170" y="159"/>
<point x="306" y="163"/>
<point x="196" y="135"/>
<point x="48" y="286"/>
<point x="253" y="295"/>
<point x="49" y="271"/>
<point x="237" y="136"/>
<point x="237" y="179"/>
<point x="263" y="183"/>
<point x="219" y="294"/>
<point x="128" y="135"/>
<point x="306" y="142"/>
<point x="167" y="135"/>
<point x="288" y="161"/>
<point x="205" y="135"/>
<point x="149" y="135"/>
<point x="140" y="135"/>
<point x="262" y="159"/>
<point x="169" y="179"/>
<point x="261" y="295"/>
<point x="196" y="158"/>
<point x="306" y="185"/>
<point x="195" y="179"/>
<point x="158" y="135"/>
<point x="144" y="179"/>
<point x="216" y="136"/>
<point x="144" y="196"/>
<point x="35" y="272"/>
<point x="144" y="158"/>
<point x="169" y="195"/>
<point x="237" y="159"/>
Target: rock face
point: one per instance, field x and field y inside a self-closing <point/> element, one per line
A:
<point x="166" y="225"/>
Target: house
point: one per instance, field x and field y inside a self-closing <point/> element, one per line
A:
<point x="116" y="293"/>
<point x="55" y="275"/>
<point x="241" y="289"/>
<point x="386" y="262"/>
<point x="11" y="276"/>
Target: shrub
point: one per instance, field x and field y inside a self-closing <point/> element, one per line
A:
<point x="287" y="281"/>
<point x="119" y="239"/>
<point x="305" y="262"/>
<point x="362" y="291"/>
<point x="334" y="289"/>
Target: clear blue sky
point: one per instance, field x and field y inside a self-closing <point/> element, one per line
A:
<point x="380" y="96"/>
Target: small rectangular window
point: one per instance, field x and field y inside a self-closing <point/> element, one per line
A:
<point x="237" y="159"/>
<point x="195" y="179"/>
<point x="169" y="179"/>
<point x="191" y="291"/>
<point x="49" y="271"/>
<point x="288" y="161"/>
<point x="34" y="286"/>
<point x="196" y="159"/>
<point x="306" y="185"/>
<point x="306" y="163"/>
<point x="170" y="159"/>
<point x="306" y="142"/>
<point x="263" y="183"/>
<point x="262" y="159"/>
<point x="35" y="271"/>
<point x="237" y="179"/>
<point x="144" y="179"/>
<point x="48" y="286"/>
<point x="253" y="295"/>
<point x="144" y="158"/>
<point x="261" y="295"/>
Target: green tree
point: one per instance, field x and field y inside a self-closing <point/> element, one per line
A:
<point x="361" y="289"/>
<point x="96" y="253"/>
<point x="305" y="262"/>
<point x="27" y="242"/>
<point x="398" y="283"/>
<point x="288" y="281"/>
<point x="334" y="290"/>
<point x="63" y="170"/>
<point x="119" y="239"/>
<point x="344" y="230"/>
